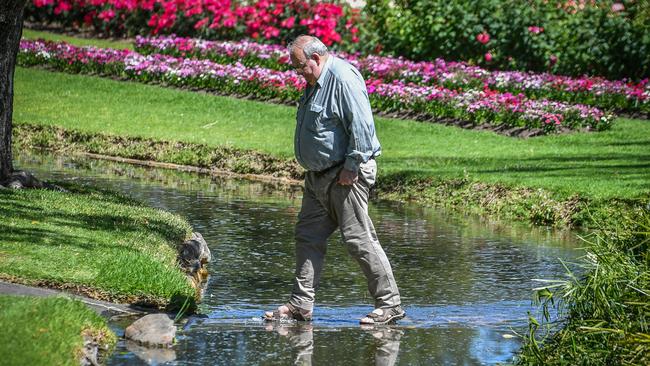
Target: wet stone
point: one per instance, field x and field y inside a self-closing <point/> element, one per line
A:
<point x="89" y="351"/>
<point x="195" y="249"/>
<point x="156" y="330"/>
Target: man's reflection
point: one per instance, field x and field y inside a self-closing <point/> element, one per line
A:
<point x="388" y="343"/>
<point x="301" y="339"/>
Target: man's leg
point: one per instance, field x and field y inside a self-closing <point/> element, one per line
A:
<point x="349" y="205"/>
<point x="313" y="228"/>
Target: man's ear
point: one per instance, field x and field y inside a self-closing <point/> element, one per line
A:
<point x="316" y="57"/>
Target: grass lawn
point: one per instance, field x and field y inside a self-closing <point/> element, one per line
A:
<point x="77" y="41"/>
<point x="104" y="245"/>
<point x="47" y="331"/>
<point x="603" y="165"/>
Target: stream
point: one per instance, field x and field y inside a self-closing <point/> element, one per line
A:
<point x="465" y="281"/>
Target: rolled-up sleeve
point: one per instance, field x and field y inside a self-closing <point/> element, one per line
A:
<point x="356" y="116"/>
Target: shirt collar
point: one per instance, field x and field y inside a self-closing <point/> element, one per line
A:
<point x="323" y="72"/>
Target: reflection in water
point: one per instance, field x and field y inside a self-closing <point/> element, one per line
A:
<point x="150" y="355"/>
<point x="465" y="282"/>
<point x="300" y="337"/>
<point x="387" y="343"/>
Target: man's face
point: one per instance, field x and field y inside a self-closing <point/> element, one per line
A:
<point x="309" y="68"/>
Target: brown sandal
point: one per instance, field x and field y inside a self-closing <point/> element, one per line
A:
<point x="293" y="314"/>
<point x="384" y="316"/>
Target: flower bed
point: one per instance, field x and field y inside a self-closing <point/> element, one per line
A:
<point x="618" y="95"/>
<point x="230" y="19"/>
<point x="478" y="107"/>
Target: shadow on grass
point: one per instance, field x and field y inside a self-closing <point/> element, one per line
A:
<point x="45" y="237"/>
<point x="11" y="206"/>
<point x="630" y="143"/>
<point x="599" y="167"/>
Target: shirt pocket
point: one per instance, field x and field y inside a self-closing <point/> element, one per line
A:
<point x="323" y="120"/>
<point x="313" y="116"/>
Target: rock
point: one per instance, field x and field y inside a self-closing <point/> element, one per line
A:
<point x="54" y="187"/>
<point x="195" y="249"/>
<point x="22" y="179"/>
<point x="89" y="351"/>
<point x="15" y="184"/>
<point x="527" y="133"/>
<point x="156" y="330"/>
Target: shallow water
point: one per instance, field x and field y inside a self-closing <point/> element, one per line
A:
<point x="465" y="283"/>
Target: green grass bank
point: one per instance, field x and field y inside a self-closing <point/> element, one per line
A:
<point x="551" y="180"/>
<point x="607" y="310"/>
<point x="96" y="243"/>
<point x="48" y="331"/>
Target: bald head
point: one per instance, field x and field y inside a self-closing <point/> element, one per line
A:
<point x="308" y="45"/>
<point x="308" y="56"/>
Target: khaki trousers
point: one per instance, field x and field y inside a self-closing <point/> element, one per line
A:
<point x="327" y="206"/>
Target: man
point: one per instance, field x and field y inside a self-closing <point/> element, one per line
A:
<point x="335" y="142"/>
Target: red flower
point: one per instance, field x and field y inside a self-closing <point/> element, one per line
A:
<point x="230" y="22"/>
<point x="41" y="3"/>
<point x="106" y="15"/>
<point x="483" y="37"/>
<point x="61" y="7"/>
<point x="201" y="23"/>
<point x="88" y="18"/>
<point x="288" y="23"/>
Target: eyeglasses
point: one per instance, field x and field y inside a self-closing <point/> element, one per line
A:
<point x="299" y="66"/>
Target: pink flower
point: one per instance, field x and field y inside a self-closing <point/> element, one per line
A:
<point x="552" y="60"/>
<point x="535" y="29"/>
<point x="483" y="38"/>
<point x="488" y="57"/>
<point x="616" y="7"/>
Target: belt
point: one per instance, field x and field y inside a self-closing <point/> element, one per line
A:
<point x="335" y="165"/>
<point x="324" y="171"/>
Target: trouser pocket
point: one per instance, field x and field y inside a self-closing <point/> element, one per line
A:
<point x="368" y="172"/>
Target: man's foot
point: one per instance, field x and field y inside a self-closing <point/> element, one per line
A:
<point x="384" y="316"/>
<point x="288" y="312"/>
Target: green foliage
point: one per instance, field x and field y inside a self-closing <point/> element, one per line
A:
<point x="48" y="331"/>
<point x="607" y="310"/>
<point x="574" y="41"/>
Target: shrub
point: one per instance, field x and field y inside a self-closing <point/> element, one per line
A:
<point x="597" y="37"/>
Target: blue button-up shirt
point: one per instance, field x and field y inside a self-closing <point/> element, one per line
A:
<point x="334" y="122"/>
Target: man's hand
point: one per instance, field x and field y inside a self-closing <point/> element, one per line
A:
<point x="347" y="177"/>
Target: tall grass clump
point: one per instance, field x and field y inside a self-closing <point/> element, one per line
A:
<point x="605" y="311"/>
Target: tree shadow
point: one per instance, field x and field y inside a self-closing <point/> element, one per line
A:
<point x="631" y="168"/>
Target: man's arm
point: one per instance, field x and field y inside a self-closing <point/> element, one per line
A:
<point x="356" y="115"/>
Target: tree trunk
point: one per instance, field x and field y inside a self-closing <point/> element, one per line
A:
<point x="11" y="29"/>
